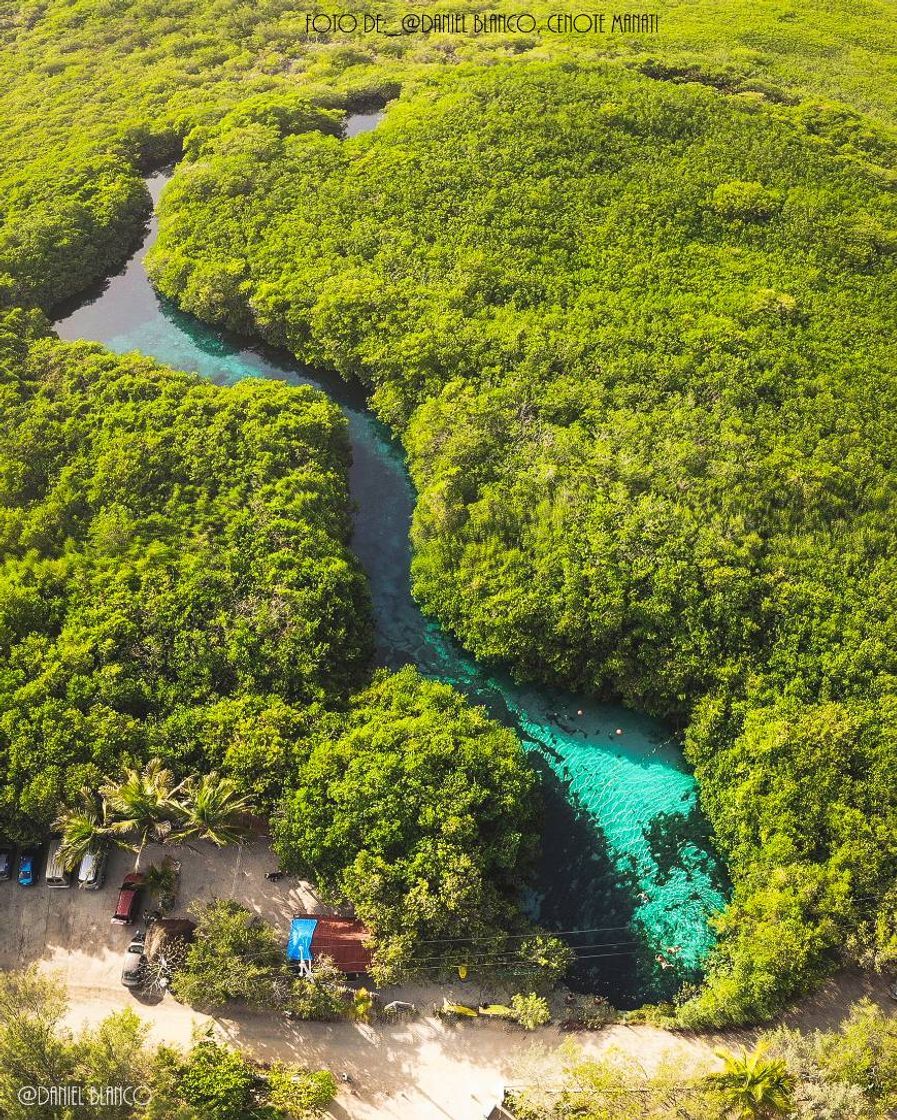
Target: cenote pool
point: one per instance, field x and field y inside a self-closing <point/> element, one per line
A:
<point x="628" y="871"/>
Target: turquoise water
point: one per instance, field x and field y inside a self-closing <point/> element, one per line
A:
<point x="628" y="870"/>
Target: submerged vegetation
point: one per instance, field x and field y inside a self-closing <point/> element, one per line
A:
<point x="632" y="319"/>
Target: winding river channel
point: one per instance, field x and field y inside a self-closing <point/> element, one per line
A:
<point x="628" y="870"/>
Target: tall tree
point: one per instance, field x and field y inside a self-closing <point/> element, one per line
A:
<point x="144" y="801"/>
<point x="86" y="827"/>
<point x="213" y="809"/>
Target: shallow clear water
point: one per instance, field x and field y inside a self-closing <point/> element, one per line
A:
<point x="628" y="870"/>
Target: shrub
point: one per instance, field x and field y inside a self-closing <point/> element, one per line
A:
<point x="217" y="1081"/>
<point x="530" y="1011"/>
<point x="234" y="956"/>
<point x="300" y="1093"/>
<point x="322" y="995"/>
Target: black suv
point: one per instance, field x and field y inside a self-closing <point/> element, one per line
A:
<point x="7" y="861"/>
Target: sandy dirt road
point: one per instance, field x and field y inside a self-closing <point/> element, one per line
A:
<point x="430" y="1070"/>
<point x="424" y="1069"/>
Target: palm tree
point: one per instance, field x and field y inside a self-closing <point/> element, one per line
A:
<point x="753" y="1086"/>
<point x="213" y="809"/>
<point x="84" y="828"/>
<point x="144" y="801"/>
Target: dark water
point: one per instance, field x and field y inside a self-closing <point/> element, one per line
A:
<point x="362" y="122"/>
<point x="628" y="871"/>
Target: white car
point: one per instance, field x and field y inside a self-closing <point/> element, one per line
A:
<point x="133" y="967"/>
<point x="92" y="870"/>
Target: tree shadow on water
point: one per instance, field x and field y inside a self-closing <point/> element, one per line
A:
<point x="585" y="894"/>
<point x="677" y="840"/>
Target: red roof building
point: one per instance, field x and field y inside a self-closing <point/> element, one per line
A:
<point x="341" y="939"/>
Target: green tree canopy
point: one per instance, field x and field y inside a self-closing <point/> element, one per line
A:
<point x="171" y="551"/>
<point x="616" y="319"/>
<point x="420" y="814"/>
<point x="234" y="955"/>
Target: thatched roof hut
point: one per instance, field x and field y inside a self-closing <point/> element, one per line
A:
<point x="165" y="930"/>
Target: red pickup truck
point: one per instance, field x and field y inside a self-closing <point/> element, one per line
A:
<point x="128" y="897"/>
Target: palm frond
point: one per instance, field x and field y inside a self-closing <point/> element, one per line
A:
<point x="214" y="810"/>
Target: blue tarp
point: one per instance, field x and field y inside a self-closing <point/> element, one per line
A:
<point x="302" y="930"/>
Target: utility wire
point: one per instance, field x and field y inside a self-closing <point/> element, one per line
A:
<point x="512" y="954"/>
<point x="526" y="936"/>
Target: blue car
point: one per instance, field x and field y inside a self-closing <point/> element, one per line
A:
<point x="26" y="869"/>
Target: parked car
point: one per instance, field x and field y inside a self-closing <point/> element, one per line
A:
<point x="56" y="874"/>
<point x="92" y="870"/>
<point x="7" y="861"/>
<point x="128" y="899"/>
<point x="29" y="867"/>
<point x="135" y="960"/>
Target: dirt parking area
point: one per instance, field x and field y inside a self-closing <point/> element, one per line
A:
<point x="71" y="931"/>
<point x="424" y="1069"/>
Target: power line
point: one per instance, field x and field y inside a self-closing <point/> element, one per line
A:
<point x="533" y="934"/>
<point x="513" y="966"/>
<point x="498" y="953"/>
<point x="515" y="936"/>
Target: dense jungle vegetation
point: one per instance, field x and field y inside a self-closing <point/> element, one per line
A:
<point x="176" y="585"/>
<point x="616" y="321"/>
<point x="174" y="567"/>
<point x="422" y="813"/>
<point x="91" y="93"/>
<point x="633" y="330"/>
